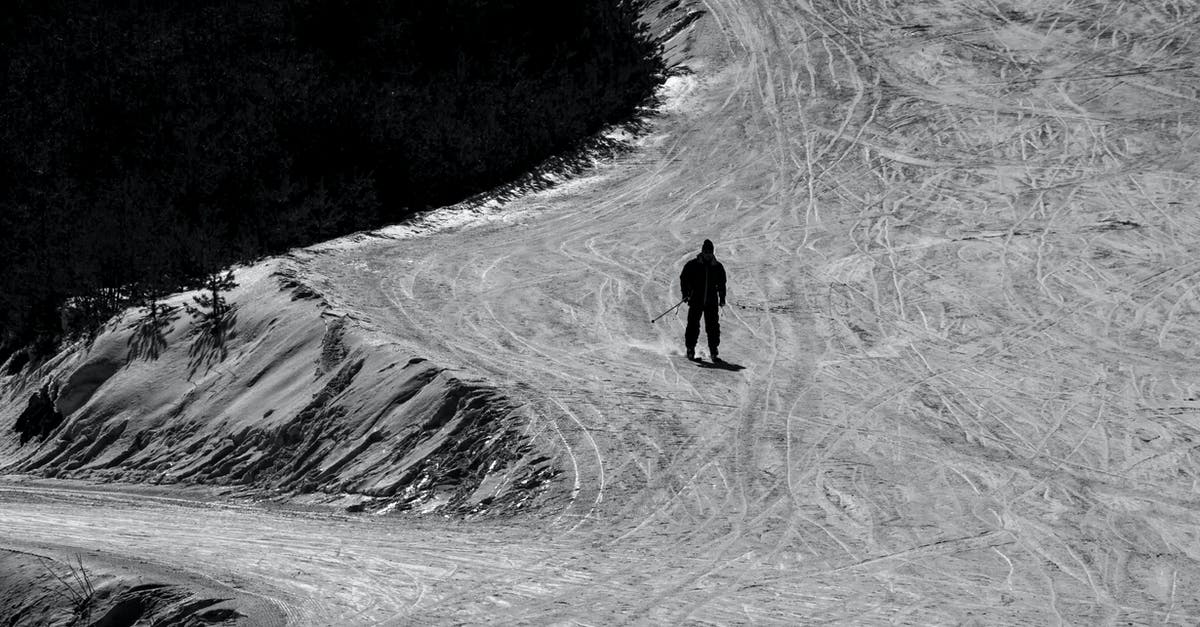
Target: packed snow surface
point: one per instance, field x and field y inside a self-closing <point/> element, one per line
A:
<point x="960" y="238"/>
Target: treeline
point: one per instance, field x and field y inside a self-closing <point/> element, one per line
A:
<point x="144" y="145"/>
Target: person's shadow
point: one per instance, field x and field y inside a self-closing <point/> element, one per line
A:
<point x="719" y="365"/>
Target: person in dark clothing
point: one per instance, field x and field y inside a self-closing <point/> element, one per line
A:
<point x="703" y="285"/>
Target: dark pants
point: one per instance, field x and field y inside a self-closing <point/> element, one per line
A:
<point x="712" y="326"/>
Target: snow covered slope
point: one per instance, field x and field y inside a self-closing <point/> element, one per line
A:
<point x="294" y="399"/>
<point x="960" y="243"/>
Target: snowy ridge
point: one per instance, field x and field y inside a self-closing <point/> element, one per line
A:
<point x="296" y="400"/>
<point x="35" y="585"/>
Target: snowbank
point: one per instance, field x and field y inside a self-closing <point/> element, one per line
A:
<point x="293" y="399"/>
<point x="44" y="588"/>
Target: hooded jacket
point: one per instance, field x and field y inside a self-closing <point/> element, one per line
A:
<point x="703" y="284"/>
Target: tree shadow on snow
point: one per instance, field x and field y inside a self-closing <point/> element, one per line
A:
<point x="208" y="343"/>
<point x="149" y="336"/>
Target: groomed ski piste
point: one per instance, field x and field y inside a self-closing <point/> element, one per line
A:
<point x="961" y="246"/>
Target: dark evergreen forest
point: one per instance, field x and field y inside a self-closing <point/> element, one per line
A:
<point x="144" y="145"/>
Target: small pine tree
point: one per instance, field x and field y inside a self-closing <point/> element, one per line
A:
<point x="211" y="310"/>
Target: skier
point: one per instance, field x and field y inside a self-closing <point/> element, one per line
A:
<point x="703" y="285"/>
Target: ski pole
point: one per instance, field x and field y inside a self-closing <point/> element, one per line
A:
<point x="668" y="311"/>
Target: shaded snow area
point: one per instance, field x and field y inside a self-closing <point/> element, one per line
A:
<point x="960" y="238"/>
<point x="47" y="589"/>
